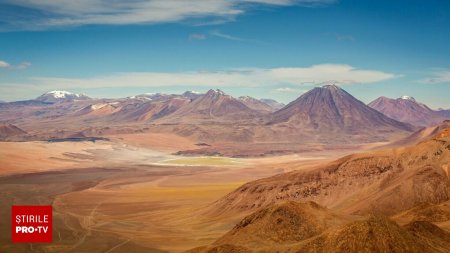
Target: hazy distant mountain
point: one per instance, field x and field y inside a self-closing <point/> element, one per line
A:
<point x="60" y="96"/>
<point x="329" y="109"/>
<point x="256" y="104"/>
<point x="272" y="103"/>
<point x="407" y="109"/>
<point x="153" y="96"/>
<point x="137" y="108"/>
<point x="162" y="96"/>
<point x="192" y="94"/>
<point x="444" y="113"/>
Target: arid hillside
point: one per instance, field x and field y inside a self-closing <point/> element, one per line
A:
<point x="387" y="181"/>
<point x="308" y="227"/>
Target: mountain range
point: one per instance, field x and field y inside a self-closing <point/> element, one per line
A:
<point x="323" y="116"/>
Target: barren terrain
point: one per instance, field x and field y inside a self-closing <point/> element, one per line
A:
<point x="130" y="193"/>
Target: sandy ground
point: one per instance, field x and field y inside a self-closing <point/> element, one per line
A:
<point x="122" y="196"/>
<point x="156" y="141"/>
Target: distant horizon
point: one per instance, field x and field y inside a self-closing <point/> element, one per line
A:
<point x="261" y="48"/>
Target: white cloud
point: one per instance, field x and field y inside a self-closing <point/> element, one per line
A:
<point x="4" y="64"/>
<point x="113" y="12"/>
<point x="23" y="65"/>
<point x="341" y="73"/>
<point x="437" y="77"/>
<point x="251" y="77"/>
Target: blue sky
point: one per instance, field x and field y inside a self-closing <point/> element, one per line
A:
<point x="262" y="48"/>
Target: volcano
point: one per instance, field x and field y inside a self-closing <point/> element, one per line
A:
<point x="329" y="111"/>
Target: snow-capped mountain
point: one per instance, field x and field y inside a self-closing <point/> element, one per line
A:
<point x="152" y="96"/>
<point x="60" y="96"/>
<point x="407" y="109"/>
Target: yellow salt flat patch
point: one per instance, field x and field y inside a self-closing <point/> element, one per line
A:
<point x="206" y="161"/>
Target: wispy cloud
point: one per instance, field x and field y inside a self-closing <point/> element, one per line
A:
<point x="197" y="36"/>
<point x="4" y="64"/>
<point x="437" y="77"/>
<point x="63" y="13"/>
<point x="7" y="65"/>
<point x="226" y="36"/>
<point x="23" y="65"/>
<point x="251" y="77"/>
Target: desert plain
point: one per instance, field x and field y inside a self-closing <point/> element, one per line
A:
<point x="128" y="194"/>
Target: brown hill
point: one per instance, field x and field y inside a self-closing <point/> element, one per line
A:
<point x="280" y="224"/>
<point x="388" y="181"/>
<point x="437" y="239"/>
<point x="379" y="234"/>
<point x="331" y="112"/>
<point x="423" y="134"/>
<point x="8" y="130"/>
<point x="425" y="212"/>
<point x="308" y="227"/>
<point x="287" y="222"/>
<point x="407" y="109"/>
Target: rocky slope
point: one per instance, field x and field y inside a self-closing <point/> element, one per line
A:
<point x="308" y="227"/>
